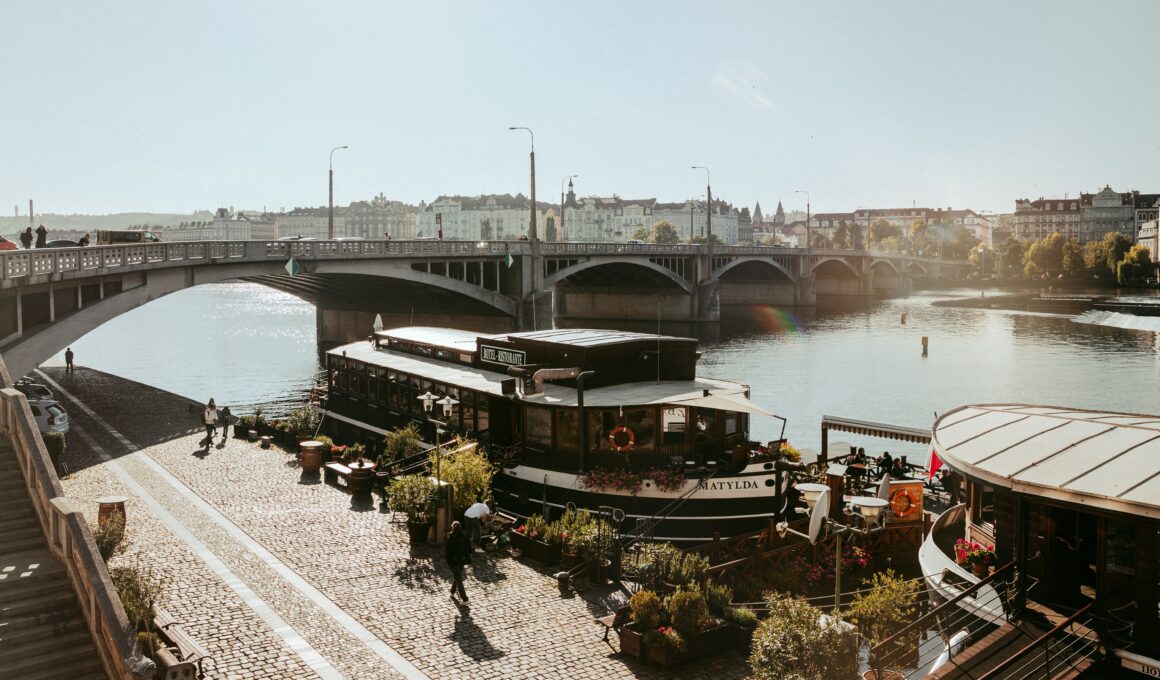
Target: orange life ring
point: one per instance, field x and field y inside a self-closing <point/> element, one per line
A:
<point x="902" y="503"/>
<point x="621" y="439"/>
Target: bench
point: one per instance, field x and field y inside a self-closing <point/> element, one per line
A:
<point x="615" y="621"/>
<point x="190" y="651"/>
<point x="332" y="471"/>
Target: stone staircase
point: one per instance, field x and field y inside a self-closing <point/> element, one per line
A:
<point x="42" y="630"/>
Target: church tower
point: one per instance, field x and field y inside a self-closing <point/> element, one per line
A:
<point x="757" y="217"/>
<point x="779" y="217"/>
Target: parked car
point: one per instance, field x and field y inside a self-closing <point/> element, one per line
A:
<point x="50" y="417"/>
<point x="5" y="244"/>
<point x="34" y="391"/>
<point x="62" y="243"/>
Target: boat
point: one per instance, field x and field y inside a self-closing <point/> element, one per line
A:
<point x="1070" y="500"/>
<point x="591" y="418"/>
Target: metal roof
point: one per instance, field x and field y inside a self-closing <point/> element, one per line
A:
<point x="590" y="337"/>
<point x="883" y="430"/>
<point x="1096" y="458"/>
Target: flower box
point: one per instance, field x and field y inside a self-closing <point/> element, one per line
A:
<point x="631" y="641"/>
<point x="704" y="643"/>
<point x="537" y="550"/>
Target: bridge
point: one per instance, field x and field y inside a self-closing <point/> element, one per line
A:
<point x="51" y="297"/>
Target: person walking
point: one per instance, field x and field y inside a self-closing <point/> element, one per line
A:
<point x="211" y="418"/>
<point x="26" y="238"/>
<point x="458" y="549"/>
<point x="68" y="361"/>
<point x="477" y="515"/>
<point x="224" y="416"/>
<point x="41" y="236"/>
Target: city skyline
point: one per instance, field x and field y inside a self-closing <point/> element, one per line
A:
<point x="170" y="109"/>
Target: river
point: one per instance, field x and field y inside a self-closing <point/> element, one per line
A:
<point x="247" y="345"/>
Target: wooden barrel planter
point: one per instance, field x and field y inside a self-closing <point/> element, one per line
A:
<point x="111" y="509"/>
<point x="311" y="459"/>
<point x="362" y="478"/>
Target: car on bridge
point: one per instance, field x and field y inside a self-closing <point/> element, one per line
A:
<point x="62" y="243"/>
<point x="5" y="244"/>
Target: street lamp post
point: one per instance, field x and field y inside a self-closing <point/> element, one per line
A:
<point x="532" y="156"/>
<point x="817" y="497"/>
<point x="808" y="234"/>
<point x="447" y="403"/>
<point x="708" y="207"/>
<point x="330" y="213"/>
<point x="560" y="231"/>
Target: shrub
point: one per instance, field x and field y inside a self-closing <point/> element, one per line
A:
<point x="795" y="643"/>
<point x="646" y="609"/>
<point x="401" y="443"/>
<point x="139" y="590"/>
<point x="55" y="443"/>
<point x="718" y="597"/>
<point x="592" y="539"/>
<point x="890" y="604"/>
<point x="573" y="524"/>
<point x="303" y="422"/>
<point x="687" y="611"/>
<point x="110" y="537"/>
<point x="467" y="470"/>
<point x="743" y="616"/>
<point x="414" y="496"/>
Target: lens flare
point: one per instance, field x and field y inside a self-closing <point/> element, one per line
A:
<point x="773" y="320"/>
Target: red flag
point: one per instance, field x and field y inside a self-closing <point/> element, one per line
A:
<point x="934" y="464"/>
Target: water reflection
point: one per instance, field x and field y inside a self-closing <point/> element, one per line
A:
<point x="249" y="345"/>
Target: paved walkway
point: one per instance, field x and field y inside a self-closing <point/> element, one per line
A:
<point x="282" y="577"/>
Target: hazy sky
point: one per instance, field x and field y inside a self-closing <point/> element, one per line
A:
<point x="176" y="106"/>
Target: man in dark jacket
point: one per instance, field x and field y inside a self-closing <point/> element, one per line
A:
<point x="26" y="238"/>
<point x="41" y="236"/>
<point x="458" y="556"/>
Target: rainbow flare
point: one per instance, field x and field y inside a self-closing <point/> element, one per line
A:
<point x="773" y="320"/>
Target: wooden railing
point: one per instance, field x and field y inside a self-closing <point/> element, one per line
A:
<point x="1044" y="641"/>
<point x="68" y="535"/>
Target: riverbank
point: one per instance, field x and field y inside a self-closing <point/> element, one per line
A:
<point x="278" y="575"/>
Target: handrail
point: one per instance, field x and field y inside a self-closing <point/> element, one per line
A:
<point x="68" y="536"/>
<point x="669" y="509"/>
<point x="921" y="621"/>
<point x="1006" y="663"/>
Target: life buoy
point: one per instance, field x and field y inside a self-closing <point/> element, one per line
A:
<point x="621" y="439"/>
<point x="902" y="503"/>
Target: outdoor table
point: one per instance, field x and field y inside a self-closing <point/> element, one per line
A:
<point x="361" y="477"/>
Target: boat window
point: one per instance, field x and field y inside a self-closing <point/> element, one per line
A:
<point x="1120" y="548"/>
<point x="983" y="505"/>
<point x="732" y="423"/>
<point x="481" y="413"/>
<point x="538" y="426"/>
<point x="642" y="422"/>
<point x="445" y="355"/>
<point x="706" y="422"/>
<point x="600" y="425"/>
<point x="467" y="408"/>
<point x="567" y="428"/>
<point x="675" y="421"/>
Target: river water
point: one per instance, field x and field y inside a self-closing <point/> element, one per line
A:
<point x="247" y="345"/>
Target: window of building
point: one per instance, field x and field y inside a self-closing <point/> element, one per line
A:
<point x="538" y="426"/>
<point x="567" y="428"/>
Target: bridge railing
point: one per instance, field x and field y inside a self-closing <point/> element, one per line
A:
<point x="68" y="535"/>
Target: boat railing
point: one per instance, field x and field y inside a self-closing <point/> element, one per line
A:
<point x="989" y="602"/>
<point x="645" y="529"/>
<point x="1063" y="648"/>
<point x="416" y="462"/>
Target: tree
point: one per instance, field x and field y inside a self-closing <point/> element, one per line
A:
<point x="818" y="239"/>
<point x="1009" y="263"/>
<point x="1118" y="246"/>
<point x="888" y="603"/>
<point x="641" y="234"/>
<point x="857" y="242"/>
<point x="881" y="230"/>
<point x="919" y="236"/>
<point x="842" y="235"/>
<point x="701" y="239"/>
<point x="796" y="642"/>
<point x="1136" y="267"/>
<point x="665" y="233"/>
<point x="983" y="259"/>
<point x="550" y="229"/>
<point x="771" y="240"/>
<point x="1073" y="261"/>
<point x="1044" y="258"/>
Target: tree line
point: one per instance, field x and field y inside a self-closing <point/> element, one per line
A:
<point x="1114" y="259"/>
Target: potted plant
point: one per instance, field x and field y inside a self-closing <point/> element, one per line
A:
<point x="981" y="559"/>
<point x="744" y="620"/>
<point x="646" y="616"/>
<point x="797" y="640"/>
<point x="538" y="539"/>
<point x="465" y="467"/>
<point x="414" y="496"/>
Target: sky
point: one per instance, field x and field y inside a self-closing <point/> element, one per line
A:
<point x="167" y="106"/>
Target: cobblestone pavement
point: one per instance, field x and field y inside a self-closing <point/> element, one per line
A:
<point x="518" y="625"/>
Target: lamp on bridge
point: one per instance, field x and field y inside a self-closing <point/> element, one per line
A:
<point x="803" y="191"/>
<point x="532" y="156"/>
<point x="708" y="207"/>
<point x="330" y="213"/>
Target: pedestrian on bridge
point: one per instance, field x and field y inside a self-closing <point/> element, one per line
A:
<point x="68" y="361"/>
<point x="41" y="236"/>
<point x="26" y="238"/>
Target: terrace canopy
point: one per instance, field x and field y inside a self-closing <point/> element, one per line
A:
<point x="864" y="427"/>
<point x="1094" y="458"/>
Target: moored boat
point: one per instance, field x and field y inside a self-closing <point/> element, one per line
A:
<point x="595" y="418"/>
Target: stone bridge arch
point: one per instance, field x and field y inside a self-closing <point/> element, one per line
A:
<point x="564" y="274"/>
<point x="772" y="263"/>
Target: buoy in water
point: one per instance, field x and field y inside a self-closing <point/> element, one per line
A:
<point x="924" y="345"/>
<point x="904" y="317"/>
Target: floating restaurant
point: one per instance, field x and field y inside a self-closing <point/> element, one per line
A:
<point x="594" y="418"/>
<point x="1070" y="501"/>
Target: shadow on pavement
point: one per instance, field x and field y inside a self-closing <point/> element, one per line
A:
<point x="471" y="639"/>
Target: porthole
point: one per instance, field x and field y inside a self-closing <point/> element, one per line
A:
<point x="769" y="482"/>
